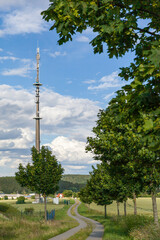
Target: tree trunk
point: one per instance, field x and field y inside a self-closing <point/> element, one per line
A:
<point x="135" y="204"/>
<point x="45" y="207"/>
<point x="118" y="208"/>
<point x="105" y="211"/>
<point x="155" y="212"/>
<point x="125" y="209"/>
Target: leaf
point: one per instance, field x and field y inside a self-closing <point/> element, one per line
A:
<point x="148" y="124"/>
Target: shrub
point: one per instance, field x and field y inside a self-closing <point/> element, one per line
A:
<point x="5" y="197"/>
<point x="33" y="197"/>
<point x="20" y="200"/>
<point x="29" y="211"/>
<point x="67" y="193"/>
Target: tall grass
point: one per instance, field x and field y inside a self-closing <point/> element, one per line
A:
<point x="32" y="227"/>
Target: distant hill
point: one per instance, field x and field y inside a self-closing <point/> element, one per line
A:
<point x="68" y="182"/>
<point x="76" y="178"/>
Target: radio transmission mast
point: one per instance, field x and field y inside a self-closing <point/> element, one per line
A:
<point x="37" y="118"/>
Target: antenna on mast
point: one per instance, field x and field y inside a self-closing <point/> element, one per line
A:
<point x="37" y="118"/>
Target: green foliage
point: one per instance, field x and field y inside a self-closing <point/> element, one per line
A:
<point x="20" y="200"/>
<point x="5" y="197"/>
<point x="85" y="195"/>
<point x="44" y="173"/>
<point x="68" y="193"/>
<point x="117" y="25"/>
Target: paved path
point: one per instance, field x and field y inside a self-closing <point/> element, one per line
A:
<point x="95" y="235"/>
<point x="72" y="231"/>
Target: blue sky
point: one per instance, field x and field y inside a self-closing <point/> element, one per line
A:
<point x="76" y="84"/>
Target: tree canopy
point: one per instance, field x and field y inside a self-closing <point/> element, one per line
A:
<point x="127" y="134"/>
<point x="121" y="25"/>
<point x="43" y="175"/>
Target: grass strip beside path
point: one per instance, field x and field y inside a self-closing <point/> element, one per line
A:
<point x="112" y="230"/>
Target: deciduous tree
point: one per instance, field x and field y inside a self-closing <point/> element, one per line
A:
<point x="43" y="175"/>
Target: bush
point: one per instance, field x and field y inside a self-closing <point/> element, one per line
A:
<point x="20" y="200"/>
<point x="29" y="211"/>
<point x="5" y="197"/>
<point x="68" y="193"/>
<point x="33" y="197"/>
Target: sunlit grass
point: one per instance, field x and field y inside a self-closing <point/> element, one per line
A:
<point x="33" y="227"/>
<point x="144" y="206"/>
<point x="29" y="204"/>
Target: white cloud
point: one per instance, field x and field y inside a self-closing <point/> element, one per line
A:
<point x="4" y="161"/>
<point x="70" y="150"/>
<point x="16" y="72"/>
<point x="19" y="4"/>
<point x="75" y="167"/>
<point x="58" y="54"/>
<point x="108" y="81"/>
<point x="27" y="66"/>
<point x="1" y="50"/>
<point x="65" y="125"/>
<point x="6" y="5"/>
<point x="109" y="96"/>
<point x="89" y="81"/>
<point x="27" y="20"/>
<point x="82" y="39"/>
<point x="3" y="58"/>
<point x="69" y="82"/>
<point x="89" y="31"/>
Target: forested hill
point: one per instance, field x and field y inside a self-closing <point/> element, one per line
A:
<point x="68" y="182"/>
<point x="80" y="179"/>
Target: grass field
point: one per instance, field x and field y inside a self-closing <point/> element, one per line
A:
<point x="144" y="207"/>
<point x="29" y="204"/>
<point x="18" y="227"/>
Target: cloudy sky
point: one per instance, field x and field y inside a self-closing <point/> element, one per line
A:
<point x="76" y="84"/>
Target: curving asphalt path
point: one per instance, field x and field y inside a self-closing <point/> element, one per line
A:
<point x="97" y="233"/>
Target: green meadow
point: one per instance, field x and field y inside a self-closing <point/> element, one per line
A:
<point x="17" y="226"/>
